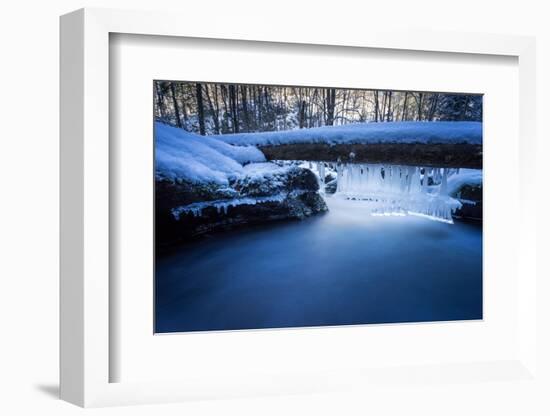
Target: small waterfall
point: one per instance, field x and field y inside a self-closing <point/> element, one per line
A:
<point x="395" y="190"/>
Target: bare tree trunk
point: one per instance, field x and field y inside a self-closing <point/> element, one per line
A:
<point x="226" y="116"/>
<point x="405" y="108"/>
<point x="212" y="109"/>
<point x="302" y="114"/>
<point x="246" y="115"/>
<point x="183" y="106"/>
<point x="259" y="105"/>
<point x="160" y="101"/>
<point x="176" y="106"/>
<point x="433" y="107"/>
<point x="383" y="112"/>
<point x="388" y="115"/>
<point x="217" y="106"/>
<point x="233" y="105"/>
<point x="200" y="109"/>
<point x="331" y="104"/>
<point x="419" y="103"/>
<point x="376" y="106"/>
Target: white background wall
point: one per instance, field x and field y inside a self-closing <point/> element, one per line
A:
<point x="29" y="206"/>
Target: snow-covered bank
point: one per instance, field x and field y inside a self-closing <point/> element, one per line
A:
<point x="439" y="132"/>
<point x="204" y="185"/>
<point x="180" y="155"/>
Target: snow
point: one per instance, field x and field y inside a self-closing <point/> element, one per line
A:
<point x="188" y="156"/>
<point x="181" y="155"/>
<point x="264" y="169"/>
<point x="392" y="132"/>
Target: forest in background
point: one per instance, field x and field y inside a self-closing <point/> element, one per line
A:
<point x="215" y="108"/>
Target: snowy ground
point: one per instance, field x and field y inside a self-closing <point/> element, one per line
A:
<point x="395" y="132"/>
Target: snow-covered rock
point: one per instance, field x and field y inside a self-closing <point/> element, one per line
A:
<point x="204" y="185"/>
<point x="471" y="177"/>
<point x="467" y="187"/>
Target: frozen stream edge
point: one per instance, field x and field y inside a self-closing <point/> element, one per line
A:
<point x="387" y="190"/>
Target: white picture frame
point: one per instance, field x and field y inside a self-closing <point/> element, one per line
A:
<point x="85" y="211"/>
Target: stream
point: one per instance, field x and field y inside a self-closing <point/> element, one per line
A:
<point x="341" y="268"/>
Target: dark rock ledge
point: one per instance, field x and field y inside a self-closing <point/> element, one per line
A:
<point x="186" y="211"/>
<point x="471" y="198"/>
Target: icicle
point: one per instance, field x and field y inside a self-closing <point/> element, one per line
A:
<point x="340" y="178"/>
<point x="436" y="176"/>
<point x="425" y="181"/>
<point x="398" y="190"/>
<point x="321" y="171"/>
<point x="443" y="186"/>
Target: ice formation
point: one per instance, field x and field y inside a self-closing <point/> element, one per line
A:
<point x="223" y="205"/>
<point x="397" y="190"/>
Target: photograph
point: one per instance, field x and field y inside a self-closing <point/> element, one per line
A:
<point x="286" y="206"/>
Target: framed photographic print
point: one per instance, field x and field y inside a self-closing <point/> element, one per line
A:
<point x="324" y="214"/>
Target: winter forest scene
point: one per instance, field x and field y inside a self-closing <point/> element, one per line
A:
<point x="293" y="206"/>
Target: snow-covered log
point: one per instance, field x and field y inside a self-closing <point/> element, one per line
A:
<point x="460" y="155"/>
<point x="443" y="144"/>
<point x="407" y="132"/>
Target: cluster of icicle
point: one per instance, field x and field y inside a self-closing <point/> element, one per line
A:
<point x="222" y="205"/>
<point x="396" y="190"/>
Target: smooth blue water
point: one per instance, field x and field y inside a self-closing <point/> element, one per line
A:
<point x="341" y="268"/>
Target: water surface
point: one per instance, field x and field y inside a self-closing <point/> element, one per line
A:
<point x="345" y="267"/>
